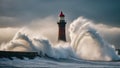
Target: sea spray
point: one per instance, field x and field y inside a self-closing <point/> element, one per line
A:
<point x="64" y="50"/>
<point x="87" y="42"/>
<point x="25" y="40"/>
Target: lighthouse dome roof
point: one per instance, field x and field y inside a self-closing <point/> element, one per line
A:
<point x="61" y="14"/>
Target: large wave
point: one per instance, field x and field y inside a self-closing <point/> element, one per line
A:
<point x="24" y="40"/>
<point x="86" y="43"/>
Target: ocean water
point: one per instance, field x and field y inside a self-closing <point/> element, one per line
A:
<point x="55" y="63"/>
<point x="86" y="49"/>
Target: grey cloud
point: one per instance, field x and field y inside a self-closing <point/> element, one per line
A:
<point x="10" y="22"/>
<point x="106" y="11"/>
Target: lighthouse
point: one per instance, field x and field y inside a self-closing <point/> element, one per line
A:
<point x="61" y="26"/>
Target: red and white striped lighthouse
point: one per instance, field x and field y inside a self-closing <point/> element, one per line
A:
<point x="61" y="26"/>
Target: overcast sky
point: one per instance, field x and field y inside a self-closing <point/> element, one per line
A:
<point x="101" y="11"/>
<point x="19" y="13"/>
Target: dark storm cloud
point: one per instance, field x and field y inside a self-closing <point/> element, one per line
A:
<point x="103" y="11"/>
